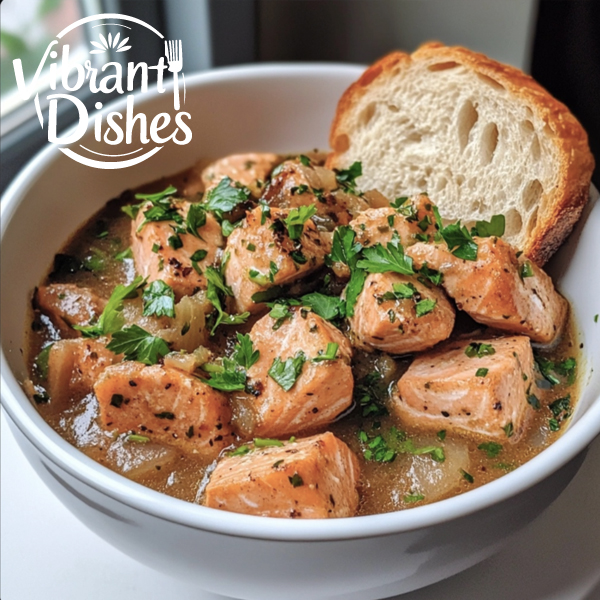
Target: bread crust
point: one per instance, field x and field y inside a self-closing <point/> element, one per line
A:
<point x="564" y="206"/>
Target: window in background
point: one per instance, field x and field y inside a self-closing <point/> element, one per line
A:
<point x="28" y="26"/>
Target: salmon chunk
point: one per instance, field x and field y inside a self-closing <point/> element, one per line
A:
<point x="262" y="255"/>
<point x="317" y="391"/>
<point x="312" y="478"/>
<point x="73" y="367"/>
<point x="473" y="386"/>
<point x="499" y="289"/>
<point x="295" y="184"/>
<point x="398" y="314"/>
<point x="157" y="256"/>
<point x="67" y="304"/>
<point x="251" y="170"/>
<point x="167" y="405"/>
<point x="414" y="221"/>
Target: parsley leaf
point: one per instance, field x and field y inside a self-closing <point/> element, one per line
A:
<point x="225" y="197"/>
<point x="344" y="249"/>
<point x="378" y="259"/>
<point x="526" y="270"/>
<point x="121" y="256"/>
<point x="159" y="300"/>
<point x="459" y="240"/>
<point x="195" y="219"/>
<point x="296" y="219"/>
<point x="353" y="289"/>
<point x="327" y="307"/>
<point x="216" y="287"/>
<point x="347" y="177"/>
<point x="285" y="373"/>
<point x="425" y="306"/>
<point x="296" y="480"/>
<point x="228" y="380"/>
<point x="329" y="354"/>
<point x="494" y="227"/>
<point x="492" y="449"/>
<point x="111" y="319"/>
<point x="137" y="344"/>
<point x="427" y="274"/>
<point x="482" y="372"/>
<point x="243" y="352"/>
<point x="411" y="498"/>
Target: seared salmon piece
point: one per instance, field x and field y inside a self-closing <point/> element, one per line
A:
<point x="68" y="304"/>
<point x="311" y="478"/>
<point x="474" y="386"/>
<point x="73" y="367"/>
<point x="251" y="170"/>
<point x="294" y="184"/>
<point x="157" y="256"/>
<point x="321" y="390"/>
<point x="398" y="314"/>
<point x="167" y="405"/>
<point x="414" y="221"/>
<point x="262" y="255"/>
<point x="499" y="289"/>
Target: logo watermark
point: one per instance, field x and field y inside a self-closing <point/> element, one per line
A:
<point x="113" y="128"/>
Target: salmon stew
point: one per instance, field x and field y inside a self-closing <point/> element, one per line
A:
<point x="258" y="335"/>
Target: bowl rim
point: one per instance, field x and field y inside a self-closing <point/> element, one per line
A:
<point x="54" y="448"/>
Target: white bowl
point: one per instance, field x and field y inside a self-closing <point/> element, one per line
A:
<point x="267" y="108"/>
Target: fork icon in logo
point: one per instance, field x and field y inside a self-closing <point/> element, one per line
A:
<point x="174" y="54"/>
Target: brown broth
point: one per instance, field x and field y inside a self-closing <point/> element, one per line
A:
<point x="384" y="485"/>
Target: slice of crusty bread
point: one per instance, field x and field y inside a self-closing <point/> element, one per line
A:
<point x="482" y="138"/>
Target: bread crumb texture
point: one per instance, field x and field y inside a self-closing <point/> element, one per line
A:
<point x="481" y="138"/>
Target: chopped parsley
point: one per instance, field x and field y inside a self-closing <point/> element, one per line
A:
<point x="296" y="480"/>
<point x="111" y="320"/>
<point x="346" y="178"/>
<point x="441" y="435"/>
<point x="266" y="443"/>
<point x="412" y="498"/>
<point x="479" y="350"/>
<point x="566" y="368"/>
<point x="296" y="218"/>
<point x="378" y="259"/>
<point x="329" y="354"/>
<point x="41" y="361"/>
<point x="225" y="197"/>
<point x="561" y="410"/>
<point x="140" y="439"/>
<point x="231" y="375"/>
<point x="304" y="160"/>
<point x="175" y="241"/>
<point x="425" y="306"/>
<point x="286" y="373"/>
<point x="243" y="352"/>
<point x="426" y="274"/>
<point x="195" y="219"/>
<point x="137" y="344"/>
<point x="327" y="307"/>
<point x="481" y="372"/>
<point x="198" y="256"/>
<point x="509" y="429"/>
<point x="533" y="401"/>
<point x="492" y="449"/>
<point x="380" y="449"/>
<point x="121" y="256"/>
<point x="467" y="476"/>
<point x="159" y="300"/>
<point x="459" y="240"/>
<point x="215" y="289"/>
<point x="401" y="291"/>
<point x="526" y="270"/>
<point x="240" y="450"/>
<point x="494" y="227"/>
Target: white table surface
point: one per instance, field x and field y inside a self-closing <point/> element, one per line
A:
<point x="47" y="554"/>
